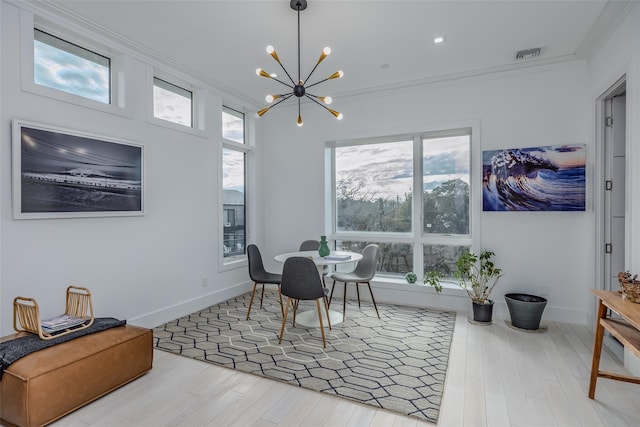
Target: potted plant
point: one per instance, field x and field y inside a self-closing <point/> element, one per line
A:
<point x="477" y="275"/>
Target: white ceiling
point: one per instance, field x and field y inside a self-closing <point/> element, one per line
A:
<point x="378" y="44"/>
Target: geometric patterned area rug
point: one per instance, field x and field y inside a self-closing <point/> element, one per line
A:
<point x="397" y="362"/>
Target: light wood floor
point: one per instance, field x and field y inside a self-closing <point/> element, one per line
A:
<point x="497" y="377"/>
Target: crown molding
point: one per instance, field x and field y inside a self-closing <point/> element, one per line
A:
<point x="609" y="19"/>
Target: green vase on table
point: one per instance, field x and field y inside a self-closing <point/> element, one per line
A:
<point x="324" y="247"/>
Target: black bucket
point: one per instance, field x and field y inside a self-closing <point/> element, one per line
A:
<point x="525" y="310"/>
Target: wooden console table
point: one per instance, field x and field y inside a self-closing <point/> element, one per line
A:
<point x="626" y="330"/>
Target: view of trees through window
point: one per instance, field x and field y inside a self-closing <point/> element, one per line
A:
<point x="375" y="195"/>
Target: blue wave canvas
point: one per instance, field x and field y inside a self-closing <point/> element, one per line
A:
<point x="549" y="178"/>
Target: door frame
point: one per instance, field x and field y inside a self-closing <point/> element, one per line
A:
<point x="615" y="89"/>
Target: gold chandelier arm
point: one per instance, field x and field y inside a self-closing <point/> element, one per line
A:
<point x="335" y="113"/>
<point x="335" y="75"/>
<point x="264" y="110"/>
<point x="325" y="52"/>
<point x="263" y="73"/>
<point x="325" y="99"/>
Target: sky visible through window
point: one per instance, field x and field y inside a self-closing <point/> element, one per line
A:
<point x="387" y="168"/>
<point x="59" y="69"/>
<point x="233" y="126"/>
<point x="233" y="170"/>
<point x="170" y="105"/>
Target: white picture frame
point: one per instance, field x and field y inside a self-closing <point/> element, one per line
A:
<point x="62" y="173"/>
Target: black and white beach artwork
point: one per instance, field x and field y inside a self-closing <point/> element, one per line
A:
<point x="63" y="172"/>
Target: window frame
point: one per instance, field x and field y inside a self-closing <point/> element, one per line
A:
<point x="29" y="23"/>
<point x="240" y="260"/>
<point x="198" y="105"/>
<point x="172" y="84"/>
<point x="417" y="238"/>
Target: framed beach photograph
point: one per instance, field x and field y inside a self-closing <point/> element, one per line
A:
<point x="61" y="173"/>
<point x="546" y="178"/>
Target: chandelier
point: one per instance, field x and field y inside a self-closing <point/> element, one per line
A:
<point x="299" y="89"/>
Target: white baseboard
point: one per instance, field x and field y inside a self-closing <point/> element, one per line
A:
<point x="389" y="292"/>
<point x="158" y="317"/>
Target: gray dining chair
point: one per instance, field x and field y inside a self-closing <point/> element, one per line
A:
<point x="259" y="275"/>
<point x="314" y="245"/>
<point x="362" y="274"/>
<point x="309" y="245"/>
<point x="301" y="282"/>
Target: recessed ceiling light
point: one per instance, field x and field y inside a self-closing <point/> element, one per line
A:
<point x="438" y="40"/>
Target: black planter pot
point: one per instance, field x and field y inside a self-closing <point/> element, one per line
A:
<point x="525" y="310"/>
<point x="482" y="313"/>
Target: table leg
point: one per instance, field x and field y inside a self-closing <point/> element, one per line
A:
<point x="597" y="349"/>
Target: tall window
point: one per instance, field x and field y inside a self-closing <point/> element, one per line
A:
<point x="379" y="184"/>
<point x="233" y="184"/>
<point x="446" y="197"/>
<point x="172" y="103"/>
<point x="65" y="66"/>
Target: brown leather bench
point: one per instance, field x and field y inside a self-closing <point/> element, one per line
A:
<point x="48" y="384"/>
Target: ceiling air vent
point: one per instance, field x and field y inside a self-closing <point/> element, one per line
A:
<point x="528" y="53"/>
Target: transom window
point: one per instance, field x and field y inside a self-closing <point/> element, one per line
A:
<point x="70" y="68"/>
<point x="409" y="194"/>
<point x="172" y="103"/>
<point x="232" y="125"/>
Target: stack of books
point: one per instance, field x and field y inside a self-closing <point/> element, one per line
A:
<point x="337" y="257"/>
<point x="60" y="323"/>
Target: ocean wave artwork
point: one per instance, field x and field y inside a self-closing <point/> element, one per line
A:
<point x="547" y="178"/>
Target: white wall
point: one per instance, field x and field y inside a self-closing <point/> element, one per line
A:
<point x="146" y="269"/>
<point x="617" y="56"/>
<point x="546" y="106"/>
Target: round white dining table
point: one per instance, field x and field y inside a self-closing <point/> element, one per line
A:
<point x="310" y="318"/>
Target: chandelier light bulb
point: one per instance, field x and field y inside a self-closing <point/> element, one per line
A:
<point x="269" y="99"/>
<point x="336" y="114"/>
<point x="299" y="122"/>
<point x="325" y="52"/>
<point x="326" y="99"/>
<point x="270" y="49"/>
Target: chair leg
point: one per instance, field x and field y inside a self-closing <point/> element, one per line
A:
<point x="373" y="299"/>
<point x="284" y="320"/>
<point x="251" y="300"/>
<point x="262" y="295"/>
<point x="358" y="293"/>
<point x="280" y="296"/>
<point x="331" y="294"/>
<point x="295" y="310"/>
<point x="344" y="302"/>
<point x="326" y="308"/>
<point x="324" y="344"/>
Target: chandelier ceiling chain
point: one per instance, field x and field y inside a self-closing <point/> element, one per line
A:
<point x="300" y="88"/>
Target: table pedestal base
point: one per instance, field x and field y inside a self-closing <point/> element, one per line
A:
<point x="310" y="318"/>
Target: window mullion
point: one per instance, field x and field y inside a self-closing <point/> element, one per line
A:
<point x="417" y="209"/>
